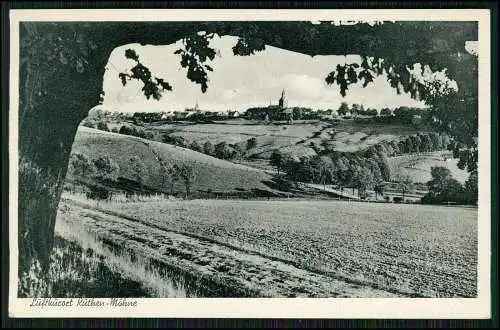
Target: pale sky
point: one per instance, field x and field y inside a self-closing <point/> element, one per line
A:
<point x="240" y="82"/>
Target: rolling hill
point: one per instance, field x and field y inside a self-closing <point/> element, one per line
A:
<point x="297" y="139"/>
<point x="216" y="175"/>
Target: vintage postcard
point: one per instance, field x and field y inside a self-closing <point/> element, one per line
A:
<point x="250" y="163"/>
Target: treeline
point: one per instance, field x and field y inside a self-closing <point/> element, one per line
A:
<point x="134" y="131"/>
<point x="124" y="129"/>
<point x="105" y="170"/>
<point x="401" y="115"/>
<point x="362" y="170"/>
<point x="221" y="150"/>
<point x="100" y="169"/>
<point x="276" y="113"/>
<point x="353" y="170"/>
<point x="420" y="142"/>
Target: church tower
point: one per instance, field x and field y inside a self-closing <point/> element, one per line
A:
<point x="282" y="101"/>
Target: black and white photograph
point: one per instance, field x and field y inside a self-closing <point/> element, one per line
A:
<point x="255" y="154"/>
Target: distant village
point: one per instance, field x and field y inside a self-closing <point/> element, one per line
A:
<point x="273" y="112"/>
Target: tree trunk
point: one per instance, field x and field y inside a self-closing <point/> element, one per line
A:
<point x="44" y="149"/>
<point x="54" y="97"/>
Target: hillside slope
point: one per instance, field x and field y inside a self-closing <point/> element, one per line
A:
<point x="297" y="139"/>
<point x="418" y="166"/>
<point x="211" y="173"/>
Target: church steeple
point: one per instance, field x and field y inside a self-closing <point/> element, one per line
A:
<point x="282" y="101"/>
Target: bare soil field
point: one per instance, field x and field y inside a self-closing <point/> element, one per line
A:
<point x="298" y="248"/>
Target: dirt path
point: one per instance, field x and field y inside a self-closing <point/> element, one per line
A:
<point x="230" y="267"/>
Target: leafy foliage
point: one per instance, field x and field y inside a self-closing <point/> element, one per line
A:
<point x="152" y="86"/>
<point x="276" y="160"/>
<point x="138" y="169"/>
<point x="444" y="188"/>
<point x="251" y="143"/>
<point x="106" y="168"/>
<point x="208" y="148"/>
<point x="81" y="165"/>
<point x="187" y="174"/>
<point x="196" y="52"/>
<point x="343" y="109"/>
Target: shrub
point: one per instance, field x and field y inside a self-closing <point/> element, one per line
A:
<point x="98" y="193"/>
<point x="223" y="151"/>
<point x="125" y="130"/>
<point x="195" y="146"/>
<point x="174" y="140"/>
<point x="88" y="123"/>
<point x="81" y="165"/>
<point x="103" y="126"/>
<point x="208" y="148"/>
<point x="251" y="143"/>
<point x="106" y="168"/>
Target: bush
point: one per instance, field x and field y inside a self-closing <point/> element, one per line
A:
<point x="103" y="126"/>
<point x="223" y="151"/>
<point x="98" y="193"/>
<point x="81" y="165"/>
<point x="208" y="148"/>
<point x="106" y="168"/>
<point x="251" y="143"/>
<point x="174" y="140"/>
<point x="195" y="146"/>
<point x="88" y="123"/>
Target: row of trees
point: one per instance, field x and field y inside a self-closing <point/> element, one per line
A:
<point x="134" y="131"/>
<point x="172" y="173"/>
<point x="421" y="142"/>
<point x="356" y="109"/>
<point x="221" y="150"/>
<point x="104" y="169"/>
<point x="124" y="129"/>
<point x="403" y="112"/>
<point x="340" y="169"/>
<point x="100" y="169"/>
